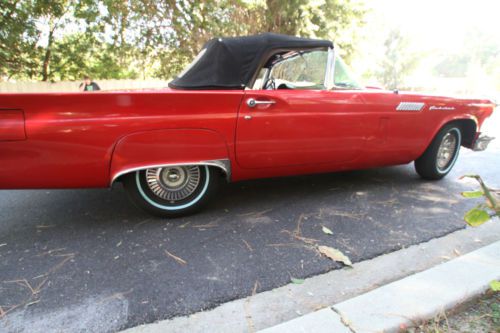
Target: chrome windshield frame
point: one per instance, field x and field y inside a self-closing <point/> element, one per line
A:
<point x="332" y="85"/>
<point x="330" y="70"/>
<point x="327" y="82"/>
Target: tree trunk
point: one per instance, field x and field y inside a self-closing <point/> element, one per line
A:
<point x="46" y="60"/>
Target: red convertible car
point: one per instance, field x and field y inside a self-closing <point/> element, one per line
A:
<point x="248" y="107"/>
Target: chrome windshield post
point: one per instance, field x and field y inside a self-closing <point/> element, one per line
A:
<point x="330" y="69"/>
<point x="265" y="78"/>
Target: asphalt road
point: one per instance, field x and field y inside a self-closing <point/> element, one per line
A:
<point x="79" y="260"/>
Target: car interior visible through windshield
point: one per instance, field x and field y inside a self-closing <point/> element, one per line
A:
<point x="302" y="70"/>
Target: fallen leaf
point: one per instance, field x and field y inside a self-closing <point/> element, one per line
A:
<point x="495" y="285"/>
<point x="327" y="231"/>
<point x="297" y="281"/>
<point x="476" y="216"/>
<point x="472" y="194"/>
<point x="335" y="255"/>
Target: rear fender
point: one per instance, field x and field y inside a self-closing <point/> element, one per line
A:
<point x="143" y="150"/>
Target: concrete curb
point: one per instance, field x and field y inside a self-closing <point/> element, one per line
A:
<point x="270" y="308"/>
<point x="322" y="321"/>
<point x="408" y="301"/>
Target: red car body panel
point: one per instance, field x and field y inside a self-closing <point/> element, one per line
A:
<point x="150" y="148"/>
<point x="12" y="125"/>
<point x="80" y="140"/>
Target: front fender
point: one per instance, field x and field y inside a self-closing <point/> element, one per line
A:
<point x="156" y="148"/>
<point x="444" y="122"/>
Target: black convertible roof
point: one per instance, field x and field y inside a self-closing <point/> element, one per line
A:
<point x="231" y="63"/>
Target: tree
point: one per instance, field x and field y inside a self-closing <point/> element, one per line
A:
<point x="53" y="14"/>
<point x="56" y="15"/>
<point x="337" y="20"/>
<point x="18" y="37"/>
<point x="64" y="39"/>
<point x="399" y="62"/>
<point x="193" y="23"/>
<point x="482" y="50"/>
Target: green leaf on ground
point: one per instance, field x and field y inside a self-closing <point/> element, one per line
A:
<point x="327" y="231"/>
<point x="297" y="281"/>
<point x="472" y="194"/>
<point x="335" y="255"/>
<point x="495" y="285"/>
<point x="476" y="216"/>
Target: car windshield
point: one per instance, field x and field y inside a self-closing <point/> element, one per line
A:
<point x="342" y="77"/>
<point x="298" y="70"/>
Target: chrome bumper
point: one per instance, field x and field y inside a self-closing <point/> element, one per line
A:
<point x="482" y="142"/>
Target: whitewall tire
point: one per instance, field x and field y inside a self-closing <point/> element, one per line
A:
<point x="172" y="191"/>
<point x="441" y="155"/>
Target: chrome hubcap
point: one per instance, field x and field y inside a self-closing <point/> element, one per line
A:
<point x="446" y="150"/>
<point x="173" y="183"/>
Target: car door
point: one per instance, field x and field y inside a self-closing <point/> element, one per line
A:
<point x="301" y="127"/>
<point x="398" y="117"/>
<point x="297" y="120"/>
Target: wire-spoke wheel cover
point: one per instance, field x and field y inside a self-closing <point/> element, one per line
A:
<point x="447" y="150"/>
<point x="173" y="183"/>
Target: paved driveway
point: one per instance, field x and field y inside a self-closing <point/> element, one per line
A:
<point x="88" y="259"/>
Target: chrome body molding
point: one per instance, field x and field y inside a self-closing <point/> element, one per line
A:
<point x="410" y="106"/>
<point x="484" y="105"/>
<point x="223" y="164"/>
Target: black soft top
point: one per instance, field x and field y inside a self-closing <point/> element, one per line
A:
<point x="231" y="63"/>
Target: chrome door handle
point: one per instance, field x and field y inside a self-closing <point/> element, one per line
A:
<point x="247" y="117"/>
<point x="251" y="102"/>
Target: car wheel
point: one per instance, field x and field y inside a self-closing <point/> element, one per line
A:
<point x="173" y="190"/>
<point x="439" y="158"/>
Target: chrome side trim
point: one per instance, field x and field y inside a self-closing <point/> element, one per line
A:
<point x="483" y="105"/>
<point x="223" y="164"/>
<point x="410" y="106"/>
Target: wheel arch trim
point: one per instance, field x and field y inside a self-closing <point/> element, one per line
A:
<point x="222" y="164"/>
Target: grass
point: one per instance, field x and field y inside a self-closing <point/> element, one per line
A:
<point x="479" y="316"/>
